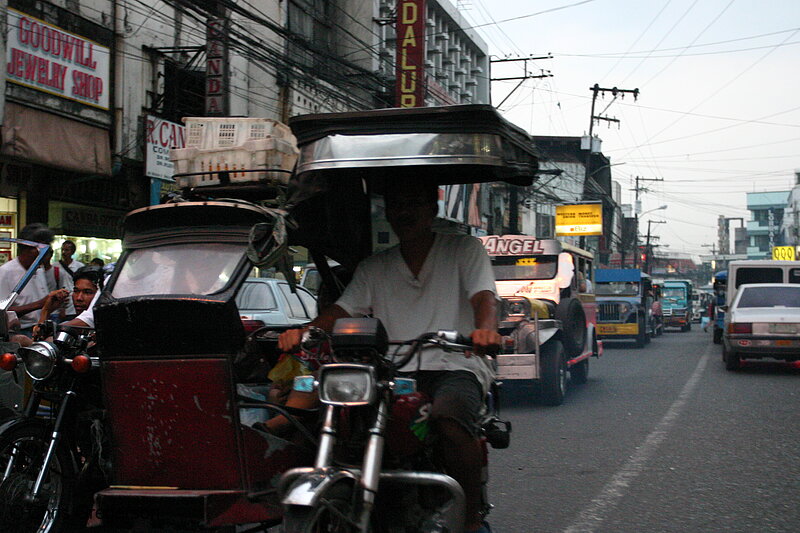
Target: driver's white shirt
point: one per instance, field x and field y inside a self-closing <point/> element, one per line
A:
<point x="457" y="268"/>
<point x="36" y="289"/>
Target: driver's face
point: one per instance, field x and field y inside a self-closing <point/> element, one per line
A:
<point x="409" y="213"/>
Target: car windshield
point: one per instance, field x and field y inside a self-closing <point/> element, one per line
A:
<point x="177" y="269"/>
<point x="524" y="268"/>
<point x="256" y="295"/>
<point x="617" y="288"/>
<point x="770" y="297"/>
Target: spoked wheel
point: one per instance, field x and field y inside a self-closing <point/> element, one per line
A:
<point x="335" y="514"/>
<point x="22" y="451"/>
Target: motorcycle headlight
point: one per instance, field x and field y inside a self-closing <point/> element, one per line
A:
<point x="40" y="360"/>
<point x="347" y="384"/>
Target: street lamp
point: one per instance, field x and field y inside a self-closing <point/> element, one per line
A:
<point x="636" y="234"/>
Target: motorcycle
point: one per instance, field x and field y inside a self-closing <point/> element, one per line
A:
<point x="53" y="455"/>
<point x="374" y="469"/>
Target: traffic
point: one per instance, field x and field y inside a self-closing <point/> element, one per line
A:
<point x="439" y="384"/>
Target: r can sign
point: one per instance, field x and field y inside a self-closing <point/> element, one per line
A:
<point x="579" y="219"/>
<point x="160" y="137"/>
<point x="784" y="253"/>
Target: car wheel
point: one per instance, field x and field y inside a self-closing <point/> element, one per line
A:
<point x="573" y="320"/>
<point x="579" y="372"/>
<point x="732" y="359"/>
<point x="641" y="336"/>
<point x="554" y="373"/>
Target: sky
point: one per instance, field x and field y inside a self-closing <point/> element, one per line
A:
<point x="718" y="112"/>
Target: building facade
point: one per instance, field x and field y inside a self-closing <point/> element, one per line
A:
<point x="766" y="218"/>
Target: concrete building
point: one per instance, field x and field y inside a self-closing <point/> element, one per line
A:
<point x="791" y="215"/>
<point x="766" y="218"/>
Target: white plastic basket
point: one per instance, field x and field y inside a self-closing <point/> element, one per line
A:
<point x="264" y="154"/>
<point x="227" y="132"/>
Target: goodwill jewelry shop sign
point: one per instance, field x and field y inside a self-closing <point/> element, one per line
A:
<point x="49" y="59"/>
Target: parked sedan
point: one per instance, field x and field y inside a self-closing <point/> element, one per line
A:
<point x="763" y="321"/>
<point x="270" y="302"/>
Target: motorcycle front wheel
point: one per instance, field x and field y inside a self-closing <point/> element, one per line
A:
<point x="334" y="514"/>
<point x="22" y="452"/>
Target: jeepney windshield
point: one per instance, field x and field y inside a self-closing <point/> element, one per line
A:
<point x="674" y="294"/>
<point x="525" y="268"/>
<point x="178" y="269"/>
<point x="617" y="288"/>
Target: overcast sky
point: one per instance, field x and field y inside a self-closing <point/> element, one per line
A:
<point x="718" y="113"/>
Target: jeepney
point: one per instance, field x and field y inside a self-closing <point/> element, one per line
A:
<point x="548" y="314"/>
<point x="624" y="302"/>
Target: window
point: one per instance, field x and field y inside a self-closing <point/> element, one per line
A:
<point x="256" y="296"/>
<point x="770" y="297"/>
<point x="177" y="269"/>
<point x="297" y="308"/>
<point x="758" y="275"/>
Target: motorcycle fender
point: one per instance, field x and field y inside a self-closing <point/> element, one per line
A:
<point x="307" y="489"/>
<point x="46" y="428"/>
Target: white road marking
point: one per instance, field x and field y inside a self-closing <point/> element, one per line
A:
<point x="592" y="517"/>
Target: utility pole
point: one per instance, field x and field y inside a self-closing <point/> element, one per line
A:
<point x="602" y="90"/>
<point x="647" y="250"/>
<point x="636" y="209"/>
<point x="525" y="76"/>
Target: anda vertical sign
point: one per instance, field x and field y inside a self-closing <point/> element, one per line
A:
<point x="410" y="61"/>
<point x="217" y="67"/>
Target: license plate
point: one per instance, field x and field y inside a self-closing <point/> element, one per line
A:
<point x="605" y="329"/>
<point x="783" y="328"/>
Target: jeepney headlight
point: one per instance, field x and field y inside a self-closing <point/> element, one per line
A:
<point x="347" y="384"/>
<point x="40" y="360"/>
<point x="516" y="308"/>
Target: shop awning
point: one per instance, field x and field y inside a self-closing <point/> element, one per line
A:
<point x="50" y="140"/>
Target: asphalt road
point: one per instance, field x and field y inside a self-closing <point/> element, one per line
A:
<point x="659" y="439"/>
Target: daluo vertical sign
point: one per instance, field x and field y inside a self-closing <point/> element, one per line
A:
<point x="410" y="53"/>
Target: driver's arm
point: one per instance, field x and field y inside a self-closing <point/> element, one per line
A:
<point x="484" y="307"/>
<point x="289" y="340"/>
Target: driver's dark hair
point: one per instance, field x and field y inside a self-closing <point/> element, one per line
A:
<point x="36" y="232"/>
<point x="92" y="273"/>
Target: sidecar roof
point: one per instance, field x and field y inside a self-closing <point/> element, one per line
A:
<point x="451" y="144"/>
<point x="191" y="222"/>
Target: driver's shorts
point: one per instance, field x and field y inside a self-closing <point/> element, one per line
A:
<point x="456" y="394"/>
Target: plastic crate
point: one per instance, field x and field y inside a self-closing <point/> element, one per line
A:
<point x="227" y="132"/>
<point x="252" y="155"/>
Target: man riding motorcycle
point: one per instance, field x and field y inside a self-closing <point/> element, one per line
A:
<point x="431" y="282"/>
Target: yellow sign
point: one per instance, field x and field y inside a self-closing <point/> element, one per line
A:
<point x="526" y="261"/>
<point x="579" y="219"/>
<point x="783" y="253"/>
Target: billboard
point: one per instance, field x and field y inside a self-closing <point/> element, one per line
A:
<point x="160" y="137"/>
<point x="579" y="219"/>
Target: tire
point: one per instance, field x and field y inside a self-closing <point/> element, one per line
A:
<point x="570" y="312"/>
<point x="554" y="373"/>
<point x="50" y="513"/>
<point x="641" y="336"/>
<point x="717" y="336"/>
<point x="328" y="517"/>
<point x="732" y="360"/>
<point x="579" y="373"/>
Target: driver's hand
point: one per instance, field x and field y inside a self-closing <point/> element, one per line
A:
<point x="486" y="341"/>
<point x="289" y="340"/>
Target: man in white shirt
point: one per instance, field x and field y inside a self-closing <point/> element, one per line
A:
<point x="68" y="267"/>
<point x="33" y="296"/>
<point x="430" y="282"/>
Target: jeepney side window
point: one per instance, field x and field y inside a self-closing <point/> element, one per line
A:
<point x="794" y="275"/>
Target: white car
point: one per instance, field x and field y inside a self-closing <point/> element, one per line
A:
<point x="763" y="321"/>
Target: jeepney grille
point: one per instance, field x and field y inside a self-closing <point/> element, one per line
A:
<point x="666" y="312"/>
<point x="609" y="312"/>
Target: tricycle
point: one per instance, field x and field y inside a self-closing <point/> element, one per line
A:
<point x="181" y="372"/>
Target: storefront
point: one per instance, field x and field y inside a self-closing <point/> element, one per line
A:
<point x="55" y="157"/>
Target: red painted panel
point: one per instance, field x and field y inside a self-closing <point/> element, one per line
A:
<point x="173" y="423"/>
